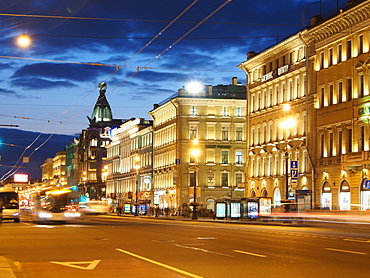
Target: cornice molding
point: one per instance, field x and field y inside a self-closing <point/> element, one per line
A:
<point x="341" y="23"/>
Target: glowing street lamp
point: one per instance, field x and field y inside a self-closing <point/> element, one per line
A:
<point x="194" y="87"/>
<point x="24" y="40"/>
<point x="137" y="167"/>
<point x="195" y="153"/>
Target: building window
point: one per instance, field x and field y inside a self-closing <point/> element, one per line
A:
<point x="349" y="50"/>
<point x="340" y="92"/>
<point x="322" y="95"/>
<point x="322" y="145"/>
<point x="340" y="142"/>
<point x="238" y="133"/>
<point x="210" y="156"/>
<point x="277" y="95"/>
<point x="224" y="157"/>
<point x="225" y="111"/>
<point x="93" y="142"/>
<point x="361" y="44"/>
<point x="349" y="89"/>
<point x="271" y="98"/>
<point x="193" y="110"/>
<point x="239" y="179"/>
<point x="253" y="134"/>
<point x="239" y="157"/>
<point x="225" y="179"/>
<point x="331" y="143"/>
<point x="339" y="53"/>
<point x="298" y="87"/>
<point x="361" y="86"/>
<point x="331" y="93"/>
<point x="264" y="135"/>
<point x="252" y="103"/>
<point x="239" y="111"/>
<point x="225" y="133"/>
<point x="211" y="178"/>
<point x="330" y="57"/>
<point x="322" y="60"/>
<point x="210" y="132"/>
<point x="193" y="132"/>
<point x="349" y="140"/>
<point x="361" y="144"/>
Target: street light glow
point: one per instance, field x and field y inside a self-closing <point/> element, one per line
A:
<point x="24" y="40"/>
<point x="288" y="123"/>
<point x="195" y="152"/>
<point x="194" y="87"/>
<point x="286" y="107"/>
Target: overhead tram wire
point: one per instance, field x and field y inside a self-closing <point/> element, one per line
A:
<point x="143" y="20"/>
<point x="146" y="45"/>
<point x="173" y="44"/>
<point x="117" y="68"/>
<point x="160" y="33"/>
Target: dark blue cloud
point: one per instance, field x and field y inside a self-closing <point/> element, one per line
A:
<point x="71" y="72"/>
<point x="40" y="84"/>
<point x="10" y="93"/>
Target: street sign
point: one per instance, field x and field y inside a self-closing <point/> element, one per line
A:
<point x="294" y="164"/>
<point x="294" y="182"/>
<point x="177" y="161"/>
<point x="367" y="184"/>
<point x="294" y="173"/>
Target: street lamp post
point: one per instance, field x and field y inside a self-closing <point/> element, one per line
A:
<point x="137" y="167"/>
<point x="286" y="175"/>
<point x="195" y="153"/>
<point x="287" y="124"/>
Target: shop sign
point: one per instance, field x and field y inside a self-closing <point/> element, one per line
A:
<point x="363" y="111"/>
<point x="275" y="73"/>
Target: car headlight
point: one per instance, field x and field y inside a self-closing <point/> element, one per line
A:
<point x="16" y="214"/>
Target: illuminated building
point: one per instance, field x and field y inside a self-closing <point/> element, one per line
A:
<point x="215" y="116"/>
<point x="322" y="72"/>
<point x="278" y="77"/>
<point x="131" y="146"/>
<point x="92" y="151"/>
<point x="342" y="65"/>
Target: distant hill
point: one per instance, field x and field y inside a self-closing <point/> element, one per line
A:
<point x="13" y="143"/>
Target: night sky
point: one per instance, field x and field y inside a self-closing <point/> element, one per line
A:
<point x="149" y="48"/>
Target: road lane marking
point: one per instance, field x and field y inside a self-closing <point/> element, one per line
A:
<point x="160" y="264"/>
<point x="203" y="250"/>
<point x="252" y="254"/>
<point x="346" y="251"/>
<point x="90" y="264"/>
<point x="357" y="240"/>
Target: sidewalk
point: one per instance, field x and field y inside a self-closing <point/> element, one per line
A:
<point x="361" y="218"/>
<point x="5" y="269"/>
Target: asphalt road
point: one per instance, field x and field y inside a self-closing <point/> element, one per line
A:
<point x="112" y="246"/>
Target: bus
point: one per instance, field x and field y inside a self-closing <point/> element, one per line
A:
<point x="9" y="200"/>
<point x="52" y="205"/>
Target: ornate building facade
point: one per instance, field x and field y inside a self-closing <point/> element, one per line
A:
<point x="129" y="161"/>
<point x="322" y="72"/>
<point x="216" y="118"/>
<point x="342" y="67"/>
<point x="92" y="151"/>
<point x="278" y="104"/>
